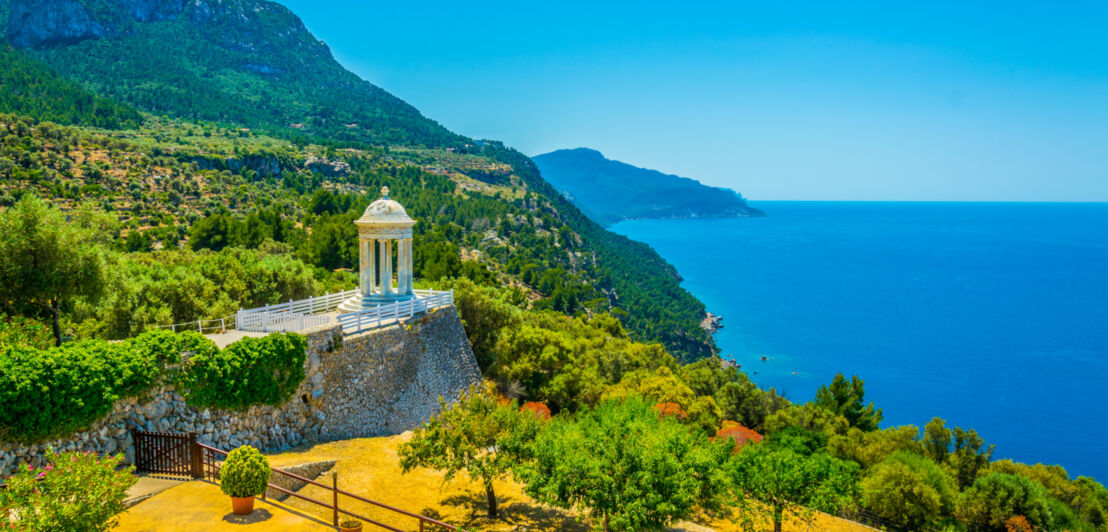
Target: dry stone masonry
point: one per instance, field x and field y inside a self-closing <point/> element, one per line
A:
<point x="376" y="383"/>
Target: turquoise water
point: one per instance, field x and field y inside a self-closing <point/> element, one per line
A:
<point x="990" y="315"/>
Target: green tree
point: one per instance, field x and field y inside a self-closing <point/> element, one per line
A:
<point x="846" y="399"/>
<point x="996" y="497"/>
<point x="870" y="448"/>
<point x="793" y="484"/>
<point x="45" y="260"/>
<point x="970" y="456"/>
<point x="625" y="465"/>
<point x="476" y="435"/>
<point x="909" y="491"/>
<point x="485" y="311"/>
<point x="937" y="440"/>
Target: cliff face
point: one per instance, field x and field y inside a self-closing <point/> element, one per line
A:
<point x="48" y="23"/>
<point x="45" y="22"/>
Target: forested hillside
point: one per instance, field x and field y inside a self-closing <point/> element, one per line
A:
<point x="235" y="61"/>
<point x="30" y="88"/>
<point x="261" y="118"/>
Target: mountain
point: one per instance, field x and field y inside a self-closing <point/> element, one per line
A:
<point x="244" y="62"/>
<point x="247" y="116"/>
<point x="28" y="87"/>
<point x="610" y="191"/>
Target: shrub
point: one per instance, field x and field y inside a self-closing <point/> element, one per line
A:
<point x="625" y="465"/>
<point x="251" y="371"/>
<point x="45" y="393"/>
<point x="993" y="499"/>
<point x="245" y="473"/>
<point x="75" y="491"/>
<point x="738" y="434"/>
<point x="909" y="491"/>
<point x="28" y="332"/>
<point x="540" y="410"/>
<point x="54" y="392"/>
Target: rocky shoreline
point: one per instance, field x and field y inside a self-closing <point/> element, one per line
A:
<point x="711" y="323"/>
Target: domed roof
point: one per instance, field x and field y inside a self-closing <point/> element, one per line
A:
<point x="385" y="211"/>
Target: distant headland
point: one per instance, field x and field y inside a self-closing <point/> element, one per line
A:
<point x="609" y="191"/>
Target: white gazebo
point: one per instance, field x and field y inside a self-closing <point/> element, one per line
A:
<point x="382" y="224"/>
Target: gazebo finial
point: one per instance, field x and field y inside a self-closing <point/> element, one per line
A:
<point x="385" y="192"/>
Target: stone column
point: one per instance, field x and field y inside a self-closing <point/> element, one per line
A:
<point x="384" y="259"/>
<point x="371" y="267"/>
<point x="386" y="275"/>
<point x="408" y="273"/>
<point x="364" y="283"/>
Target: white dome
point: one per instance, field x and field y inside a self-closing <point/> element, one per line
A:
<point x="385" y="211"/>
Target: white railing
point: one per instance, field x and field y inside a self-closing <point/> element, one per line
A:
<point x="364" y="320"/>
<point x="314" y="312"/>
<point x="291" y="316"/>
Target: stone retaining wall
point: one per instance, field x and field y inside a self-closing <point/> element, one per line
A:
<point x="310" y="471"/>
<point x="376" y="383"/>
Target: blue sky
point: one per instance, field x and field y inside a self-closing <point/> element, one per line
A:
<point x="819" y="100"/>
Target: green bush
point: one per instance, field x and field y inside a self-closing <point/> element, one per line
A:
<point x="45" y="393"/>
<point x="245" y="473"/>
<point x="251" y="371"/>
<point x="995" y="498"/>
<point x="20" y="330"/>
<point x="54" y="392"/>
<point x="75" y="491"/>
<point x="909" y="491"/>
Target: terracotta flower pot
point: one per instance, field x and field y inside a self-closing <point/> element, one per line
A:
<point x="242" y="505"/>
<point x="355" y="528"/>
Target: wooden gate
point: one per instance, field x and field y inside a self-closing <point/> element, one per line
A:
<point x="167" y="453"/>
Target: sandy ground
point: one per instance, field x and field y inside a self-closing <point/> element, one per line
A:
<point x="370" y="467"/>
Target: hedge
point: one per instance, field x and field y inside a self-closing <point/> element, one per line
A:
<point x="251" y="371"/>
<point x="49" y="393"/>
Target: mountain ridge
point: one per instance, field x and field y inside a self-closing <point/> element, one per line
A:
<point x="611" y="191"/>
<point x="232" y="90"/>
<point x="249" y="63"/>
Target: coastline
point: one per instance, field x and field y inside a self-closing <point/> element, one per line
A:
<point x="927" y="302"/>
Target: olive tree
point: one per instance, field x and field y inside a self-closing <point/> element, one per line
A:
<point x="627" y="466"/>
<point x="792" y="484"/>
<point x="46" y="260"/>
<point x="476" y="435"/>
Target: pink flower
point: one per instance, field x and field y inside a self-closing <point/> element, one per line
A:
<point x="42" y="475"/>
<point x="49" y="467"/>
<point x="30" y="468"/>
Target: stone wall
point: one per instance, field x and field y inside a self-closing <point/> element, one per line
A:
<point x="376" y="383"/>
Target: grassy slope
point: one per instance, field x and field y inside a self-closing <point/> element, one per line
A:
<point x="370" y="467"/>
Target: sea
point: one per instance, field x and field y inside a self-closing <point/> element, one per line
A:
<point x="992" y="316"/>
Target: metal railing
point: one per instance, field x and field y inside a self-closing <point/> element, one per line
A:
<point x="364" y="320"/>
<point x="210" y="459"/>
<point x="214" y="325"/>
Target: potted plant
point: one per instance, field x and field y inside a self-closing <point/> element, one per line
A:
<point x="350" y="525"/>
<point x="244" y="475"/>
